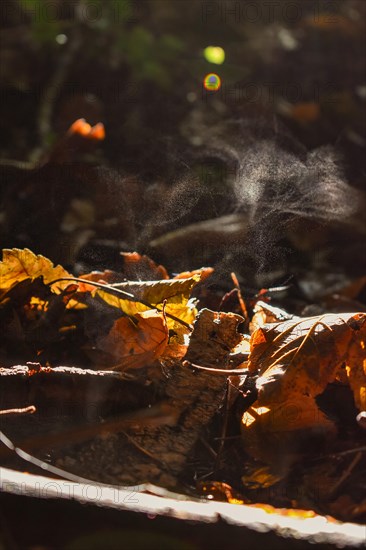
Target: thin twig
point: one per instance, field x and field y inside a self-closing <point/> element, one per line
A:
<point x="223" y="372"/>
<point x="240" y="297"/>
<point x="41" y="464"/>
<point x="26" y="410"/>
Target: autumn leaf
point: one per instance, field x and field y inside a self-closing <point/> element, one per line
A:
<point x="204" y="273"/>
<point x="140" y="267"/>
<point x="265" y="313"/>
<point x="303" y="356"/>
<point x="138" y="341"/>
<point x="276" y="433"/>
<point x="295" y="361"/>
<point x="174" y="293"/>
<point x="18" y="265"/>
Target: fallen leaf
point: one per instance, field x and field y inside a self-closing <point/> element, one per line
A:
<point x="214" y="337"/>
<point x="203" y="272"/>
<point x="279" y="432"/>
<point x="175" y="294"/>
<point x="18" y="265"/>
<point x="303" y="356"/>
<point x="136" y="342"/>
<point x="295" y="361"/>
<point x="137" y="267"/>
<point x="265" y="313"/>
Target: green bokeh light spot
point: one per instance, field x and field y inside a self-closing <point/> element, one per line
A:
<point x="214" y="54"/>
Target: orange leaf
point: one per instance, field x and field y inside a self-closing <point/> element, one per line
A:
<point x="138" y="341"/>
<point x="204" y="273"/>
<point x="80" y="126"/>
<point x="97" y="132"/>
<point x="302" y="356"/>
<point x="295" y="360"/>
<point x="142" y="268"/>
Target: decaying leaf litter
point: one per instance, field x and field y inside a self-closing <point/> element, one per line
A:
<point x="258" y="407"/>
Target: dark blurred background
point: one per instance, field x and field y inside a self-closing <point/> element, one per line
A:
<point x="175" y="153"/>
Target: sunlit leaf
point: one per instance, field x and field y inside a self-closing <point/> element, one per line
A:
<point x="295" y="361"/>
<point x="303" y="356"/>
<point x="18" y="265"/>
<point x="175" y="292"/>
<point x="136" y="342"/>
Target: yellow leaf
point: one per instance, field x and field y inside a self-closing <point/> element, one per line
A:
<point x="175" y="292"/>
<point x="18" y="265"/>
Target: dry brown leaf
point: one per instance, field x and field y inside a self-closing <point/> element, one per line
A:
<point x="295" y="361"/>
<point x="203" y="272"/>
<point x="303" y="356"/>
<point x="136" y="342"/>
<point x="214" y="337"/>
<point x="137" y="267"/>
<point x="265" y="313"/>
